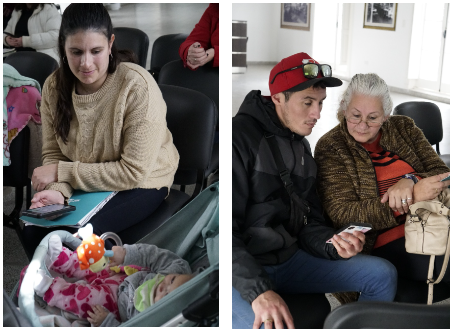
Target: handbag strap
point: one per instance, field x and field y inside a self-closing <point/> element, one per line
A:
<point x="283" y="172"/>
<point x="433" y="206"/>
<point x="430" y="281"/>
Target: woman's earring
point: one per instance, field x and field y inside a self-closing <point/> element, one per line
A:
<point x="64" y="59"/>
<point x="111" y="57"/>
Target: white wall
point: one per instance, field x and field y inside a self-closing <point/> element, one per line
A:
<point x="261" y="29"/>
<point x="381" y="51"/>
<point x="267" y="41"/>
<point x="370" y="50"/>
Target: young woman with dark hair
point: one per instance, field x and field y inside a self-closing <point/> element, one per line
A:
<point x="104" y="128"/>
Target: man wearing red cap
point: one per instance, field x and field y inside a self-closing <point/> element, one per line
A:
<point x="279" y="233"/>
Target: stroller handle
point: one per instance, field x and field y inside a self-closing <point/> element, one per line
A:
<point x="113" y="236"/>
<point x="26" y="293"/>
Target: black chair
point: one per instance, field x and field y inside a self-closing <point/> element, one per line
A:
<point x="427" y="117"/>
<point x="308" y="310"/>
<point x="378" y="315"/>
<point x="191" y="118"/>
<point x="35" y="65"/>
<point x="164" y="50"/>
<point x="133" y="39"/>
<point x="205" y="79"/>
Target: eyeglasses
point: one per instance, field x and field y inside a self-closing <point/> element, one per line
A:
<point x="310" y="71"/>
<point x="357" y="119"/>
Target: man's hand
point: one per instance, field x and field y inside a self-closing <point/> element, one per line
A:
<point x="97" y="316"/>
<point x="270" y="308"/>
<point x="44" y="175"/>
<point x="118" y="257"/>
<point x="47" y="197"/>
<point x="351" y="246"/>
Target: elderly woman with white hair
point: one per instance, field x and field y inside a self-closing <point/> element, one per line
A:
<point x="372" y="166"/>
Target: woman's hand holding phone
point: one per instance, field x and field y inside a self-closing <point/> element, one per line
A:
<point x="429" y="188"/>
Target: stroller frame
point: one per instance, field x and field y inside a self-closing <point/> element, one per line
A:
<point x="198" y="236"/>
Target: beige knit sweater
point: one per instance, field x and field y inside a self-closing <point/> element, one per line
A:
<point x="118" y="138"/>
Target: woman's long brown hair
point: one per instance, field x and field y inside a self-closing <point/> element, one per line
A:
<point x="77" y="17"/>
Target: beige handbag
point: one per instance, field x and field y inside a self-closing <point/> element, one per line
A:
<point x="427" y="233"/>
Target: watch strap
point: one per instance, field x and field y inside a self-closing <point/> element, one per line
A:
<point x="410" y="176"/>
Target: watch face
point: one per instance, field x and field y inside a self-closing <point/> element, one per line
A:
<point x="412" y="177"/>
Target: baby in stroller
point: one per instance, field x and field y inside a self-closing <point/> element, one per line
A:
<point x="115" y="294"/>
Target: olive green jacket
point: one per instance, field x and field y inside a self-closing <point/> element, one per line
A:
<point x="346" y="179"/>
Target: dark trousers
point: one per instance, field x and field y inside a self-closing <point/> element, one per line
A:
<point x="410" y="266"/>
<point x="124" y="210"/>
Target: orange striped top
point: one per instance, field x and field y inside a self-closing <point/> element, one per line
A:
<point x="389" y="167"/>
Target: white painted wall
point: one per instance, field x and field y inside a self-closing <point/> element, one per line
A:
<point x="381" y="51"/>
<point x="267" y="41"/>
<point x="261" y="29"/>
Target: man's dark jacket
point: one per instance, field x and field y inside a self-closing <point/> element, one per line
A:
<point x="260" y="201"/>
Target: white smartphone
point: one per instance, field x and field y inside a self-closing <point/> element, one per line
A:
<point x="362" y="227"/>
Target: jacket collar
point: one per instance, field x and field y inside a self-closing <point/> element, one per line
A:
<point x="262" y="109"/>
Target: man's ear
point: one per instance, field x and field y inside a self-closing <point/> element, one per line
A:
<point x="278" y="98"/>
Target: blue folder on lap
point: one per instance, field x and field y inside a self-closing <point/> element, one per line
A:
<point x="87" y="204"/>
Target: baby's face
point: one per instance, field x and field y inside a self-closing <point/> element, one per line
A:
<point x="170" y="283"/>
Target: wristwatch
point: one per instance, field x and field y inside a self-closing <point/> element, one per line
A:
<point x="411" y="176"/>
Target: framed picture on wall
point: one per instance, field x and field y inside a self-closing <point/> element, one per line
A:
<point x="296" y="16"/>
<point x="380" y="16"/>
